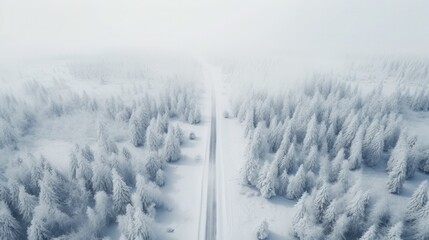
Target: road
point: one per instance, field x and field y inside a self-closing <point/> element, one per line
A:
<point x="211" y="189"/>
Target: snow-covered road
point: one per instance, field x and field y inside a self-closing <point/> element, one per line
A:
<point x="211" y="188"/>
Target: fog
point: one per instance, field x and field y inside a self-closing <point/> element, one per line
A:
<point x="233" y="27"/>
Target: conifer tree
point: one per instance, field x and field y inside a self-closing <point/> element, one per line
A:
<point x="417" y="201"/>
<point x="311" y="134"/>
<point x="397" y="176"/>
<point x="171" y="147"/>
<point x="121" y="193"/>
<point x="297" y="184"/>
<point x="395" y="232"/>
<point x="9" y="226"/>
<point x="26" y="205"/>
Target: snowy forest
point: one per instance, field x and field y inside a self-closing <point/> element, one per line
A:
<point x="104" y="183"/>
<point x="214" y="120"/>
<point x="313" y="144"/>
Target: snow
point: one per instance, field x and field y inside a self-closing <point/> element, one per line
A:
<point x="242" y="208"/>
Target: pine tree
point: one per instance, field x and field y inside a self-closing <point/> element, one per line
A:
<point x="331" y="214"/>
<point x="351" y="130"/>
<point x="9" y="226"/>
<point x="73" y="165"/>
<point x="373" y="143"/>
<point x="397" y="176"/>
<point x="297" y="184"/>
<point x="289" y="161"/>
<point x="371" y="234"/>
<point x="101" y="178"/>
<point x="344" y="177"/>
<point x="259" y="144"/>
<point x="48" y="223"/>
<point x="395" y="232"/>
<point x="399" y="153"/>
<point x="121" y="193"/>
<point x="283" y="183"/>
<point x="268" y="182"/>
<point x="355" y="157"/>
<point x="141" y="228"/>
<point x="312" y="161"/>
<point x="339" y="144"/>
<point x="311" y="134"/>
<point x="262" y="231"/>
<point x="137" y="127"/>
<point x="49" y="187"/>
<point x="249" y="122"/>
<point x="357" y="211"/>
<point x="147" y="194"/>
<point x="335" y="166"/>
<point x="152" y="165"/>
<point x="321" y="202"/>
<point x="26" y="205"/>
<point x="421" y="225"/>
<point x="171" y="147"/>
<point x="178" y="133"/>
<point x="341" y="227"/>
<point x="419" y="199"/>
<point x="250" y="171"/>
<point x="281" y="152"/>
<point x="160" y="178"/>
<point x="154" y="138"/>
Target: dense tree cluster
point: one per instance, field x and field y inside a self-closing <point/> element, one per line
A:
<point x="105" y="184"/>
<point x="305" y="145"/>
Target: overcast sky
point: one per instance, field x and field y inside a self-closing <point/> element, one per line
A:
<point x="368" y="27"/>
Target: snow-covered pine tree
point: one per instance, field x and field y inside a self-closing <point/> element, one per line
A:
<point x="311" y="136"/>
<point x="152" y="165"/>
<point x="259" y="143"/>
<point x="312" y="161"/>
<point x="262" y="232"/>
<point x="344" y="177"/>
<point x="137" y="127"/>
<point x="73" y="165"/>
<point x="171" y="147"/>
<point x="249" y="122"/>
<point x="178" y="133"/>
<point x="281" y="152"/>
<point x="399" y="153"/>
<point x="355" y="157"/>
<point x="26" y="205"/>
<point x="9" y="226"/>
<point x="351" y="130"/>
<point x="289" y="160"/>
<point x="339" y="144"/>
<point x="341" y="227"/>
<point x="141" y="228"/>
<point x="371" y="234"/>
<point x="297" y="184"/>
<point x="268" y="181"/>
<point x="147" y="194"/>
<point x="49" y="187"/>
<point x="250" y="171"/>
<point x="101" y="178"/>
<point x="160" y="177"/>
<point x="421" y="230"/>
<point x="331" y="214"/>
<point x="121" y="193"/>
<point x="154" y="138"/>
<point x="417" y="201"/>
<point x="397" y="175"/>
<point x="335" y="166"/>
<point x="321" y="202"/>
<point x="395" y="232"/>
<point x="283" y="184"/>
<point x="357" y="211"/>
